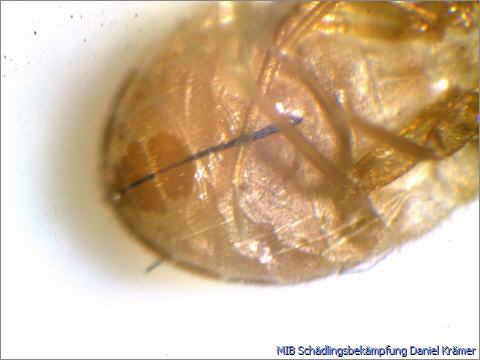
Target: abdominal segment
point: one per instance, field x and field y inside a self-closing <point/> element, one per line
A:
<point x="292" y="141"/>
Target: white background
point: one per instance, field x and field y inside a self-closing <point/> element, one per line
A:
<point x="73" y="281"/>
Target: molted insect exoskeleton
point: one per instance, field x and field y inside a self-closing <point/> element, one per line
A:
<point x="283" y="142"/>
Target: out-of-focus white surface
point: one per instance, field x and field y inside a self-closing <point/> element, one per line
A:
<point x="73" y="281"/>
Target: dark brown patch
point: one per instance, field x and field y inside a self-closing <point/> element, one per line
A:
<point x="133" y="167"/>
<point x="164" y="150"/>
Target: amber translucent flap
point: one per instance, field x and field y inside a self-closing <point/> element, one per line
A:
<point x="282" y="142"/>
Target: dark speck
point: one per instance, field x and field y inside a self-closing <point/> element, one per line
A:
<point x="84" y="40"/>
<point x="5" y="57"/>
<point x="136" y="15"/>
<point x="71" y="16"/>
<point x="34" y="33"/>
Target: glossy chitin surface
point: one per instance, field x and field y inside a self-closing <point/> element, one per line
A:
<point x="351" y="129"/>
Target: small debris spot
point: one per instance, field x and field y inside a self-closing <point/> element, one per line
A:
<point x="136" y="15"/>
<point x="84" y="40"/>
<point x="71" y="16"/>
<point x="153" y="265"/>
<point x="34" y="32"/>
<point x="5" y="57"/>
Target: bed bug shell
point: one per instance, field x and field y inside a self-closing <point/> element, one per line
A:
<point x="289" y="141"/>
